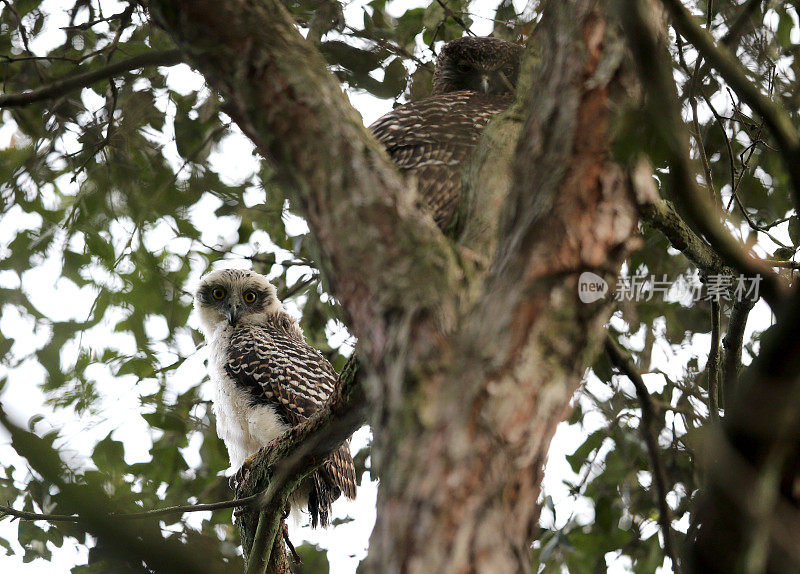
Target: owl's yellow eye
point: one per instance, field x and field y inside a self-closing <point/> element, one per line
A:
<point x="250" y="297"/>
<point x="218" y="293"/>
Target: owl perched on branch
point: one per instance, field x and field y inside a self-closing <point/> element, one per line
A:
<point x="431" y="140"/>
<point x="267" y="380"/>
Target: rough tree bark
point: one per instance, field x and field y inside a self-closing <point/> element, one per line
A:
<point x="461" y="470"/>
<point x="468" y="374"/>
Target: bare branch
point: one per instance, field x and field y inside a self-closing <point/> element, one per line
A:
<point x="65" y="85"/>
<point x="650" y="433"/>
<point x="24" y="515"/>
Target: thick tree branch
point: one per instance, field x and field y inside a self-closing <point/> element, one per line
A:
<point x="732" y="344"/>
<point x="650" y="432"/>
<point x="761" y="433"/>
<point x="63" y="86"/>
<point x="278" y="90"/>
<point x="731" y="69"/>
<point x="459" y="490"/>
<point x="662" y="215"/>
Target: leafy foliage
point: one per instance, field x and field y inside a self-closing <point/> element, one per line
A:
<point x="122" y="192"/>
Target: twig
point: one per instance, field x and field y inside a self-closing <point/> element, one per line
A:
<point x="712" y="366"/>
<point x="65" y="85"/>
<point x="86" y="25"/>
<point x="24" y="515"/>
<point x="458" y="20"/>
<point x="776" y="222"/>
<point x="735" y="30"/>
<point x="696" y="79"/>
<point x="124" y="22"/>
<point x="23" y="34"/>
<point x="390" y="46"/>
<point x="625" y="365"/>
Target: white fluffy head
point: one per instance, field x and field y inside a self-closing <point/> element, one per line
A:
<point x="232" y="296"/>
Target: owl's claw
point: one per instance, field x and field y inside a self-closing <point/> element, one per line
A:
<point x="236" y="480"/>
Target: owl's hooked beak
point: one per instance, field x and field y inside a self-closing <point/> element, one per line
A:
<point x="232" y="313"/>
<point x="485" y="83"/>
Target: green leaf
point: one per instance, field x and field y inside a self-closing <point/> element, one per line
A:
<point x="109" y="455"/>
<point x="581" y="455"/>
<point x="794" y="230"/>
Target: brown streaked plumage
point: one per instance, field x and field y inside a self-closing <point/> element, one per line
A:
<point x="431" y="140"/>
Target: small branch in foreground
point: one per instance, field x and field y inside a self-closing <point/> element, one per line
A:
<point x="126" y="541"/>
<point x="65" y="85"/>
<point x="625" y="365"/>
<point x="24" y="515"/>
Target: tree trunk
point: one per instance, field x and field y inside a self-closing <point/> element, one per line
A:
<point x="462" y="463"/>
<point x="468" y="372"/>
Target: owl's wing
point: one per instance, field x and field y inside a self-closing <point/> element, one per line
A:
<point x="432" y="139"/>
<point x="293" y="377"/>
<point x="279" y="370"/>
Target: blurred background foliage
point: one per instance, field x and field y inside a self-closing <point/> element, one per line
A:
<point x="120" y="195"/>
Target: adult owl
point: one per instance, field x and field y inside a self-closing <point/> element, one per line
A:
<point x="267" y="379"/>
<point x="431" y="140"/>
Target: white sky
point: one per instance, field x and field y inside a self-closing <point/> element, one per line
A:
<point x="120" y="408"/>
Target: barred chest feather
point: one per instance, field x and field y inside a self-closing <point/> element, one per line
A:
<point x="244" y="427"/>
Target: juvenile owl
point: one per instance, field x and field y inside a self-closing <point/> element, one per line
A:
<point x="431" y="140"/>
<point x="266" y="379"/>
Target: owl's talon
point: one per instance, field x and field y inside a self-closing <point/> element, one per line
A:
<point x="238" y="478"/>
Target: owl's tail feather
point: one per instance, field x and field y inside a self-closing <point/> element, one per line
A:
<point x="336" y="476"/>
<point x="319" y="501"/>
<point x="343" y="471"/>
